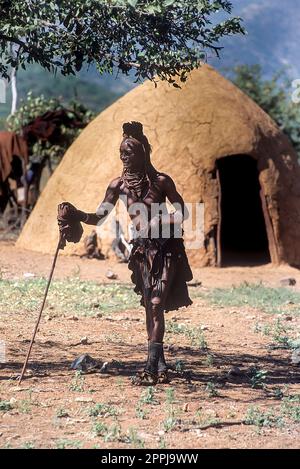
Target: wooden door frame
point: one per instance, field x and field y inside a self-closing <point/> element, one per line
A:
<point x="218" y="240"/>
<point x="272" y="245"/>
<point x="273" y="251"/>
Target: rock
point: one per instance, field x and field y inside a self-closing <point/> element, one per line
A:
<point x="28" y="275"/>
<point x="204" y="328"/>
<point x="84" y="399"/>
<point x="288" y="318"/>
<point x="99" y="315"/>
<point x="144" y="435"/>
<point x="104" y="367"/>
<point x="84" y="341"/>
<point x="296" y="357"/>
<point x="295" y="344"/>
<point x="199" y="433"/>
<point x="85" y="363"/>
<point x="194" y="283"/>
<point x="185" y="407"/>
<point x="111" y="275"/>
<point x="48" y="318"/>
<point x="12" y="401"/>
<point x="235" y="371"/>
<point x="18" y="388"/>
<point x="288" y="282"/>
<point x="172" y="348"/>
<point x="72" y="318"/>
<point x="161" y="433"/>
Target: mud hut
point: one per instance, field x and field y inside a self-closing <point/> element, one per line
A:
<point x="221" y="149"/>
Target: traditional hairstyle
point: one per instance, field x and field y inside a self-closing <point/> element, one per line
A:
<point x="134" y="131"/>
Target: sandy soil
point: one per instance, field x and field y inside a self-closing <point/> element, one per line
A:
<point x="51" y="410"/>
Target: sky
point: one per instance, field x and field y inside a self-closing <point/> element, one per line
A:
<point x="272" y="40"/>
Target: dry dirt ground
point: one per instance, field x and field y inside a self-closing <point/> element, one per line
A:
<point x="204" y="406"/>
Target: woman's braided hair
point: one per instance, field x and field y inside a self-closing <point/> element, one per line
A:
<point x="134" y="130"/>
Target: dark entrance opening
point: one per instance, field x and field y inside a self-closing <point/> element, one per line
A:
<point x="243" y="237"/>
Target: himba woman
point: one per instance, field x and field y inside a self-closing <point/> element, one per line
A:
<point x="158" y="260"/>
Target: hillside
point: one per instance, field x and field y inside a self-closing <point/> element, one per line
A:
<point x="272" y="41"/>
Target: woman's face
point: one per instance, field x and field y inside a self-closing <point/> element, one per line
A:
<point x="131" y="155"/>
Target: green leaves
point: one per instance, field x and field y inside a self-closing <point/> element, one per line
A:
<point x="273" y="96"/>
<point x="150" y="38"/>
<point x="132" y="3"/>
<point x="34" y="107"/>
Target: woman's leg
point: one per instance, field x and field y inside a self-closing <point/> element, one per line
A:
<point x="155" y="325"/>
<point x="158" y="301"/>
<point x="156" y="361"/>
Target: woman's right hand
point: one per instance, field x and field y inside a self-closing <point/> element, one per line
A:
<point x="68" y="212"/>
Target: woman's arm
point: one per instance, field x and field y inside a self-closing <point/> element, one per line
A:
<point x="106" y="206"/>
<point x="181" y="213"/>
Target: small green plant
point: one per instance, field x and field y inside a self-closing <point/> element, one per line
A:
<point x="64" y="443"/>
<point x="211" y="389"/>
<point x="103" y="410"/>
<point x="257" y="378"/>
<point x="78" y="296"/>
<point x="201" y="341"/>
<point x="170" y="395"/>
<point x="120" y="384"/>
<point x="134" y="439"/>
<point x="170" y="421"/>
<point x="162" y="443"/>
<point x="61" y="413"/>
<point x="291" y="408"/>
<point x="175" y="328"/>
<point x="147" y="396"/>
<point x="280" y="336"/>
<point x="113" y="433"/>
<point x="25" y="406"/>
<point x="140" y="412"/>
<point x="77" y="383"/>
<point x="28" y="445"/>
<point x="209" y="360"/>
<point x="180" y="366"/>
<point x="263" y="419"/>
<point x="278" y="393"/>
<point x="254" y="295"/>
<point x="100" y="429"/>
<point x="263" y="329"/>
<point x="289" y="411"/>
<point x="5" y="406"/>
<point x="195" y="335"/>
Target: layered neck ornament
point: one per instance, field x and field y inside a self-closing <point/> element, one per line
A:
<point x="137" y="182"/>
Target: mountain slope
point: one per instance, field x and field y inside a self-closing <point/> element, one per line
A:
<point x="272" y="41"/>
<point x="273" y="37"/>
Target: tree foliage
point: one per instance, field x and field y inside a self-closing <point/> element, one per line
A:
<point x="164" y="38"/>
<point x="33" y="107"/>
<point x="273" y="96"/>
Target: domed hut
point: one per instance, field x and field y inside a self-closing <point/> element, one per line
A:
<point x="221" y="149"/>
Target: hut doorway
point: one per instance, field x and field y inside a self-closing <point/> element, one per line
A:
<point x="242" y="234"/>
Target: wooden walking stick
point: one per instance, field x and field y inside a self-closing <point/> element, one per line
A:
<point x="59" y="246"/>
